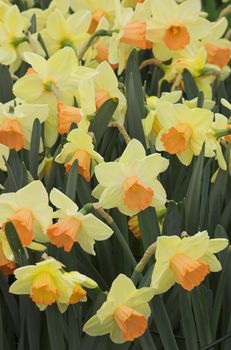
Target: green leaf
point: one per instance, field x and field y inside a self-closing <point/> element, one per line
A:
<point x="20" y="254"/>
<point x="72" y="180"/>
<point x="135" y="100"/>
<point x="149" y="226"/>
<point x="56" y="328"/>
<point x="200" y="308"/>
<point x="187" y="320"/>
<point x="34" y="149"/>
<point x="163" y="324"/>
<point x="224" y="275"/>
<point x="6" y="85"/>
<point x="217" y="196"/>
<point x="102" y="118"/>
<point x="192" y="200"/>
<point x="33" y="27"/>
<point x="190" y="87"/>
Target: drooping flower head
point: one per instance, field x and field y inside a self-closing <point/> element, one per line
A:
<point x="124" y="315"/>
<point x="29" y="212"/>
<point x="73" y="226"/>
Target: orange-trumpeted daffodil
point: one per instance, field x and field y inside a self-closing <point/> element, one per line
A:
<point x="184" y="130"/>
<point x="173" y="26"/>
<point x="131" y="184"/>
<point x="124" y="315"/>
<point x="80" y="147"/>
<point x="72" y="226"/>
<point x="44" y="283"/>
<point x="185" y="261"/>
<point x="79" y="293"/>
<point x="16" y="123"/>
<point x="29" y="212"/>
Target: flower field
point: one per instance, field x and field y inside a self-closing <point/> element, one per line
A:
<point x="115" y="175"/>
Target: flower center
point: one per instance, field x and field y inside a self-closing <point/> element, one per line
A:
<point x="77" y="294"/>
<point x="135" y="34"/>
<point x="189" y="273"/>
<point x="177" y="138"/>
<point x="217" y="55"/>
<point x="22" y="220"/>
<point x="176" y="37"/>
<point x="132" y="324"/>
<point x="43" y="290"/>
<point x="84" y="160"/>
<point x="137" y="196"/>
<point x="11" y="134"/>
<point x="64" y="232"/>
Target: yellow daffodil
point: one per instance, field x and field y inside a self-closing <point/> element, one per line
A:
<point x="100" y="10"/>
<point x="12" y="37"/>
<point x="173" y="26"/>
<point x="79" y="294"/>
<point x="73" y="226"/>
<point x="49" y="80"/>
<point x="124" y="315"/>
<point x="212" y="144"/>
<point x="130" y="31"/>
<point x="131" y="184"/>
<point x="16" y="123"/>
<point x="29" y="216"/>
<point x="218" y="49"/>
<point x="184" y="130"/>
<point x="61" y="32"/>
<point x="7" y="261"/>
<point x="44" y="283"/>
<point x="185" y="261"/>
<point x="80" y="147"/>
<point x="151" y="124"/>
<point x="105" y="86"/>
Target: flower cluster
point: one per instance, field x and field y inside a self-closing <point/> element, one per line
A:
<point x="110" y="110"/>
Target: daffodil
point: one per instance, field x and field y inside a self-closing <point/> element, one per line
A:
<point x="130" y="31"/>
<point x="61" y="32"/>
<point x="44" y="282"/>
<point x="79" y="293"/>
<point x="29" y="216"/>
<point x="131" y="184"/>
<point x="13" y="39"/>
<point x="151" y="124"/>
<point x="185" y="261"/>
<point x="218" y="49"/>
<point x="100" y="10"/>
<point x="16" y="123"/>
<point x="213" y="142"/>
<point x="124" y="315"/>
<point x="49" y="80"/>
<point x="72" y="226"/>
<point x="105" y="86"/>
<point x="174" y="26"/>
<point x="7" y="261"/>
<point x="79" y="146"/>
<point x="184" y="130"/>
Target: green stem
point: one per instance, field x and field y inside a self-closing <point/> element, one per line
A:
<point x="101" y="32"/>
